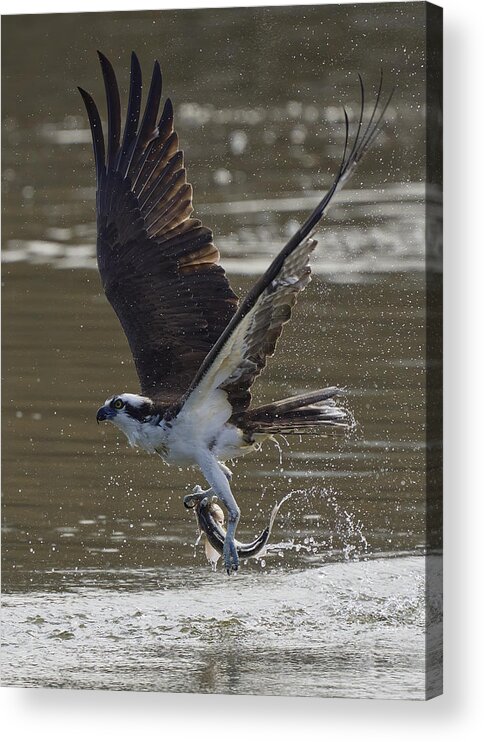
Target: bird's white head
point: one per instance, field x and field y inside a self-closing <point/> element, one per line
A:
<point x="128" y="412"/>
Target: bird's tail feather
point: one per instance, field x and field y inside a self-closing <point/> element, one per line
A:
<point x="313" y="412"/>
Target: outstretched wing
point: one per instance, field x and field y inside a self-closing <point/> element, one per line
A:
<point x="158" y="265"/>
<point x="240" y="353"/>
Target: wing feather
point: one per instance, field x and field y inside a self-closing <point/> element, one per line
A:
<point x="97" y="132"/>
<point x="241" y="352"/>
<point x="158" y="265"/>
<point x="114" y="108"/>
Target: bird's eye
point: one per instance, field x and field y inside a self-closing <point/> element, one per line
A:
<point x="118" y="404"/>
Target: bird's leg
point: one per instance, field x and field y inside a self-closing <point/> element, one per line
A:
<point x="231" y="558"/>
<point x="226" y="471"/>
<point x="217" y="475"/>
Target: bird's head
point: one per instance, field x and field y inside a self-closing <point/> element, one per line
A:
<point x="126" y="411"/>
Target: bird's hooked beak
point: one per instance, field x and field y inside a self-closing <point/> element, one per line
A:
<point x="104" y="413"/>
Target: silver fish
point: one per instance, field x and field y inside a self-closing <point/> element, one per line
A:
<point x="210" y="519"/>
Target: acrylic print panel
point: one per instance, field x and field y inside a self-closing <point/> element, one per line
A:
<point x="105" y="582"/>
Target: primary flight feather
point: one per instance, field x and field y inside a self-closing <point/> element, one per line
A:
<point x="159" y="267"/>
<point x="197" y="351"/>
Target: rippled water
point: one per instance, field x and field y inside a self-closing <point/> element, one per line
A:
<point x="103" y="586"/>
<point x="353" y="629"/>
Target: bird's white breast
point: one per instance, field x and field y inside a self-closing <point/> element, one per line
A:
<point x="183" y="442"/>
<point x="142" y="435"/>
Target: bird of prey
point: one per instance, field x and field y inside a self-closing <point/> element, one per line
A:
<point x="196" y="348"/>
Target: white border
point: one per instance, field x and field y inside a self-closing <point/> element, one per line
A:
<point x="87" y="715"/>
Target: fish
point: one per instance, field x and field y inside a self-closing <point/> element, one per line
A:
<point x="210" y="520"/>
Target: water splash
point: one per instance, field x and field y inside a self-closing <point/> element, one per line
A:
<point x="190" y="630"/>
<point x="336" y="533"/>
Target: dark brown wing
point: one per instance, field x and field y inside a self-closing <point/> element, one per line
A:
<point x="241" y="352"/>
<point x="158" y="265"/>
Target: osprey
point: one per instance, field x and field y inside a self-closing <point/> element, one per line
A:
<point x="196" y="348"/>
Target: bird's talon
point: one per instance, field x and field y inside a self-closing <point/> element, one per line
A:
<point x="198" y="495"/>
<point x="189" y="501"/>
<point x="231" y="558"/>
<point x="208" y="501"/>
